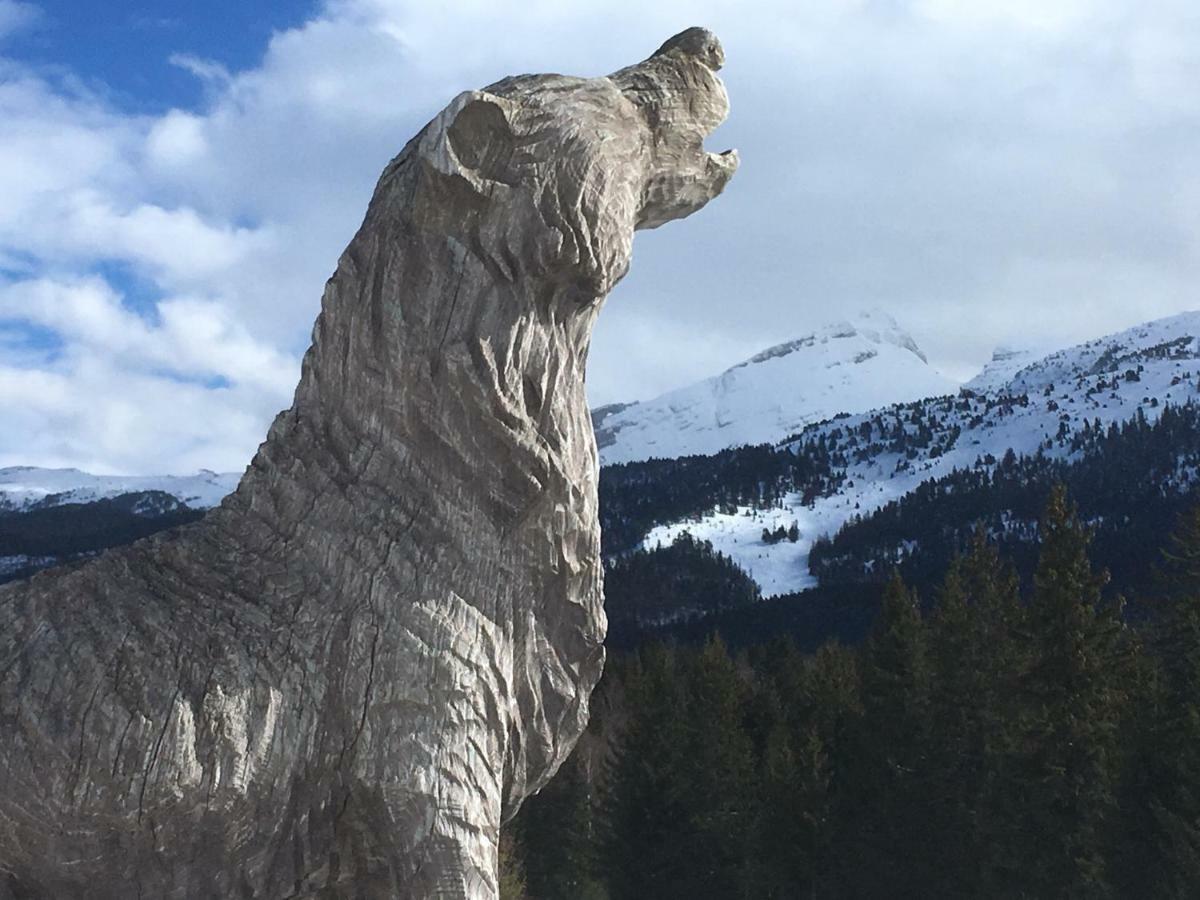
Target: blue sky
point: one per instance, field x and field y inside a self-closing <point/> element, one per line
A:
<point x="177" y="181"/>
<point x="125" y="49"/>
<point x="140" y="59"/>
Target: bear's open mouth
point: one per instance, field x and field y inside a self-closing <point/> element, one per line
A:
<point x="726" y="159"/>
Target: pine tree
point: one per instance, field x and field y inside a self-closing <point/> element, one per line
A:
<point x="557" y="835"/>
<point x="681" y="790"/>
<point x="1169" y="764"/>
<point x="819" y="711"/>
<point x="1138" y="867"/>
<point x="1073" y="691"/>
<point x="1182" y="556"/>
<point x="974" y="662"/>
<point x="793" y="816"/>
<point x="883" y="837"/>
<point x="512" y="878"/>
<point x="643" y="804"/>
<point x="718" y="772"/>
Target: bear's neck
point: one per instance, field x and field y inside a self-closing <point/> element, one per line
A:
<point x="463" y="406"/>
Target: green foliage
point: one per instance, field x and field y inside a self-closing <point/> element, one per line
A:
<point x="1163" y="799"/>
<point x="976" y="661"/>
<point x="887" y="759"/>
<point x="686" y="578"/>
<point x="512" y="878"/>
<point x="680" y="798"/>
<point x="1073" y="694"/>
<point x="557" y="831"/>
<point x="984" y="747"/>
<point x="780" y="534"/>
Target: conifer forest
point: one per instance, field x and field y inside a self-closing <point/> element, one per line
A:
<point x="992" y="736"/>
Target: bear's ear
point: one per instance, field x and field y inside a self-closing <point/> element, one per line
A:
<point x="481" y="139"/>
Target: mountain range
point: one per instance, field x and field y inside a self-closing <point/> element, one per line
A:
<point x="24" y="488"/>
<point x="855" y="406"/>
<point x="1027" y="406"/>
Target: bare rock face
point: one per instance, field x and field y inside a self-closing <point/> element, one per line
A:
<point x="342" y="681"/>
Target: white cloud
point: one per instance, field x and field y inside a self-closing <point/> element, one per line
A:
<point x="1033" y="15"/>
<point x="175" y="143"/>
<point x="99" y="416"/>
<point x="204" y="69"/>
<point x="192" y="338"/>
<point x="51" y="143"/>
<point x="978" y="169"/>
<point x="122" y="393"/>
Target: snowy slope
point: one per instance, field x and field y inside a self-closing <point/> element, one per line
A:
<point x="1155" y="345"/>
<point x="1004" y="364"/>
<point x="850" y="366"/>
<point x="22" y="487"/>
<point x="1036" y="408"/>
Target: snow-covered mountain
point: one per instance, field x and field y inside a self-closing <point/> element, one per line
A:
<point x="1020" y="402"/>
<point x="850" y="366"/>
<point x="889" y="452"/>
<point x="27" y="487"/>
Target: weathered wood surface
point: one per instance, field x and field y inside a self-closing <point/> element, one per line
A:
<point x="342" y="680"/>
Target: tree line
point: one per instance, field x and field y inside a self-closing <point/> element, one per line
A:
<point x="51" y="534"/>
<point x="1132" y="480"/>
<point x="636" y="496"/>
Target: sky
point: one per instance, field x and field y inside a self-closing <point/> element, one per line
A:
<point x="178" y="179"/>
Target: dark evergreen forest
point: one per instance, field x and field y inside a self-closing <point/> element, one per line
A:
<point x="50" y="534"/>
<point x="1132" y="482"/>
<point x="983" y="741"/>
<point x="672" y="585"/>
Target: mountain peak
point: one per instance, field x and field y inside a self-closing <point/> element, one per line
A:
<point x="872" y="326"/>
<point x="1173" y="339"/>
<point x="1006" y="361"/>
<point x="849" y="365"/>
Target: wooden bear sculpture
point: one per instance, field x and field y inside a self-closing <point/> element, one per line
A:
<point x="341" y="681"/>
